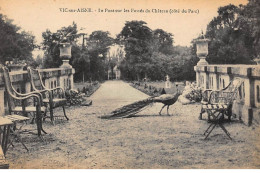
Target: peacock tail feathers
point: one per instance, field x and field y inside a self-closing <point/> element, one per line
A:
<point x="129" y="109"/>
<point x="138" y="106"/>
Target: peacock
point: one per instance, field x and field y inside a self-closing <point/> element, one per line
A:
<point x="134" y="108"/>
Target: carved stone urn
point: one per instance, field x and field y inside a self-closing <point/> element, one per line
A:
<point x="65" y="54"/>
<point x="202" y="50"/>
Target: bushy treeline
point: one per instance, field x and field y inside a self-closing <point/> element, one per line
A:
<point x="234" y="39"/>
<point x="150" y="54"/>
<point x="234" y="34"/>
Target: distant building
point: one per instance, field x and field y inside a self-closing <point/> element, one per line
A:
<point x="116" y="53"/>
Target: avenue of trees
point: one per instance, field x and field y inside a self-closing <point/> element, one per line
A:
<point x="151" y="54"/>
<point x="234" y="39"/>
<point x="148" y="53"/>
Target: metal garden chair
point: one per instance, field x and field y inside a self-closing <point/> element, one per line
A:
<point x="23" y="104"/>
<point x="204" y="101"/>
<point x="220" y="104"/>
<point x="54" y="97"/>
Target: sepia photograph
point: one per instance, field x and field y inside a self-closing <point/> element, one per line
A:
<point x="130" y="84"/>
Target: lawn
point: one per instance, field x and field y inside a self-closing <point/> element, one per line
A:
<point x="145" y="141"/>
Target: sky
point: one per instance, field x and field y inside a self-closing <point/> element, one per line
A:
<point x="36" y="16"/>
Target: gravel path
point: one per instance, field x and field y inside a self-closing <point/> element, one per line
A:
<point x="145" y="141"/>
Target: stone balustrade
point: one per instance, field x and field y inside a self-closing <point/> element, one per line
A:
<point x="52" y="77"/>
<point x="216" y="77"/>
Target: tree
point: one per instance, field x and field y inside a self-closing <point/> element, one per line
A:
<point x="51" y="44"/>
<point x="97" y="46"/>
<point x="81" y="64"/>
<point x="151" y="54"/>
<point x="15" y="45"/>
<point x="231" y="38"/>
<point x="136" y="37"/>
<point x="163" y="41"/>
<point x="249" y="21"/>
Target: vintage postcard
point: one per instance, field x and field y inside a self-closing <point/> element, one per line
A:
<point x="129" y="84"/>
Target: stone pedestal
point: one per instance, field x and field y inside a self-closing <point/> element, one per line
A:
<point x="65" y="64"/>
<point x="202" y="61"/>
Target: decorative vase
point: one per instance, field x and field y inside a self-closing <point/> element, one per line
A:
<point x="202" y="50"/>
<point x="65" y="54"/>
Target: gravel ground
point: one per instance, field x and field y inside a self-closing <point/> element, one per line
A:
<point x="144" y="141"/>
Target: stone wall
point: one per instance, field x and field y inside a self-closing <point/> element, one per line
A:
<point x="218" y="76"/>
<point x="52" y="77"/>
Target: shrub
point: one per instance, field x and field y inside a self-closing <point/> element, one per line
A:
<point x="74" y="97"/>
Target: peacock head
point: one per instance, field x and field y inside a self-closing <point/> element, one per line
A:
<point x="178" y="90"/>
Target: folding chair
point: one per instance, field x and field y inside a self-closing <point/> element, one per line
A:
<point x="204" y="101"/>
<point x="16" y="132"/>
<point x="5" y="125"/>
<point x="217" y="119"/>
<point x="3" y="162"/>
<point x="220" y="104"/>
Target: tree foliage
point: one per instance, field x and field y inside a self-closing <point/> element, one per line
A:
<point x="15" y="45"/>
<point x="81" y="64"/>
<point x="51" y="44"/>
<point x="151" y="54"/>
<point x="233" y="35"/>
<point x="250" y="18"/>
<point x="163" y="41"/>
<point x="97" y="46"/>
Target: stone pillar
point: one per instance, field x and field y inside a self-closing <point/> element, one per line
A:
<point x="65" y="55"/>
<point x="47" y="83"/>
<point x="215" y="81"/>
<point x="248" y="102"/>
<point x="72" y="78"/>
<point x="197" y="77"/>
<point x="62" y="82"/>
<point x="203" y="76"/>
